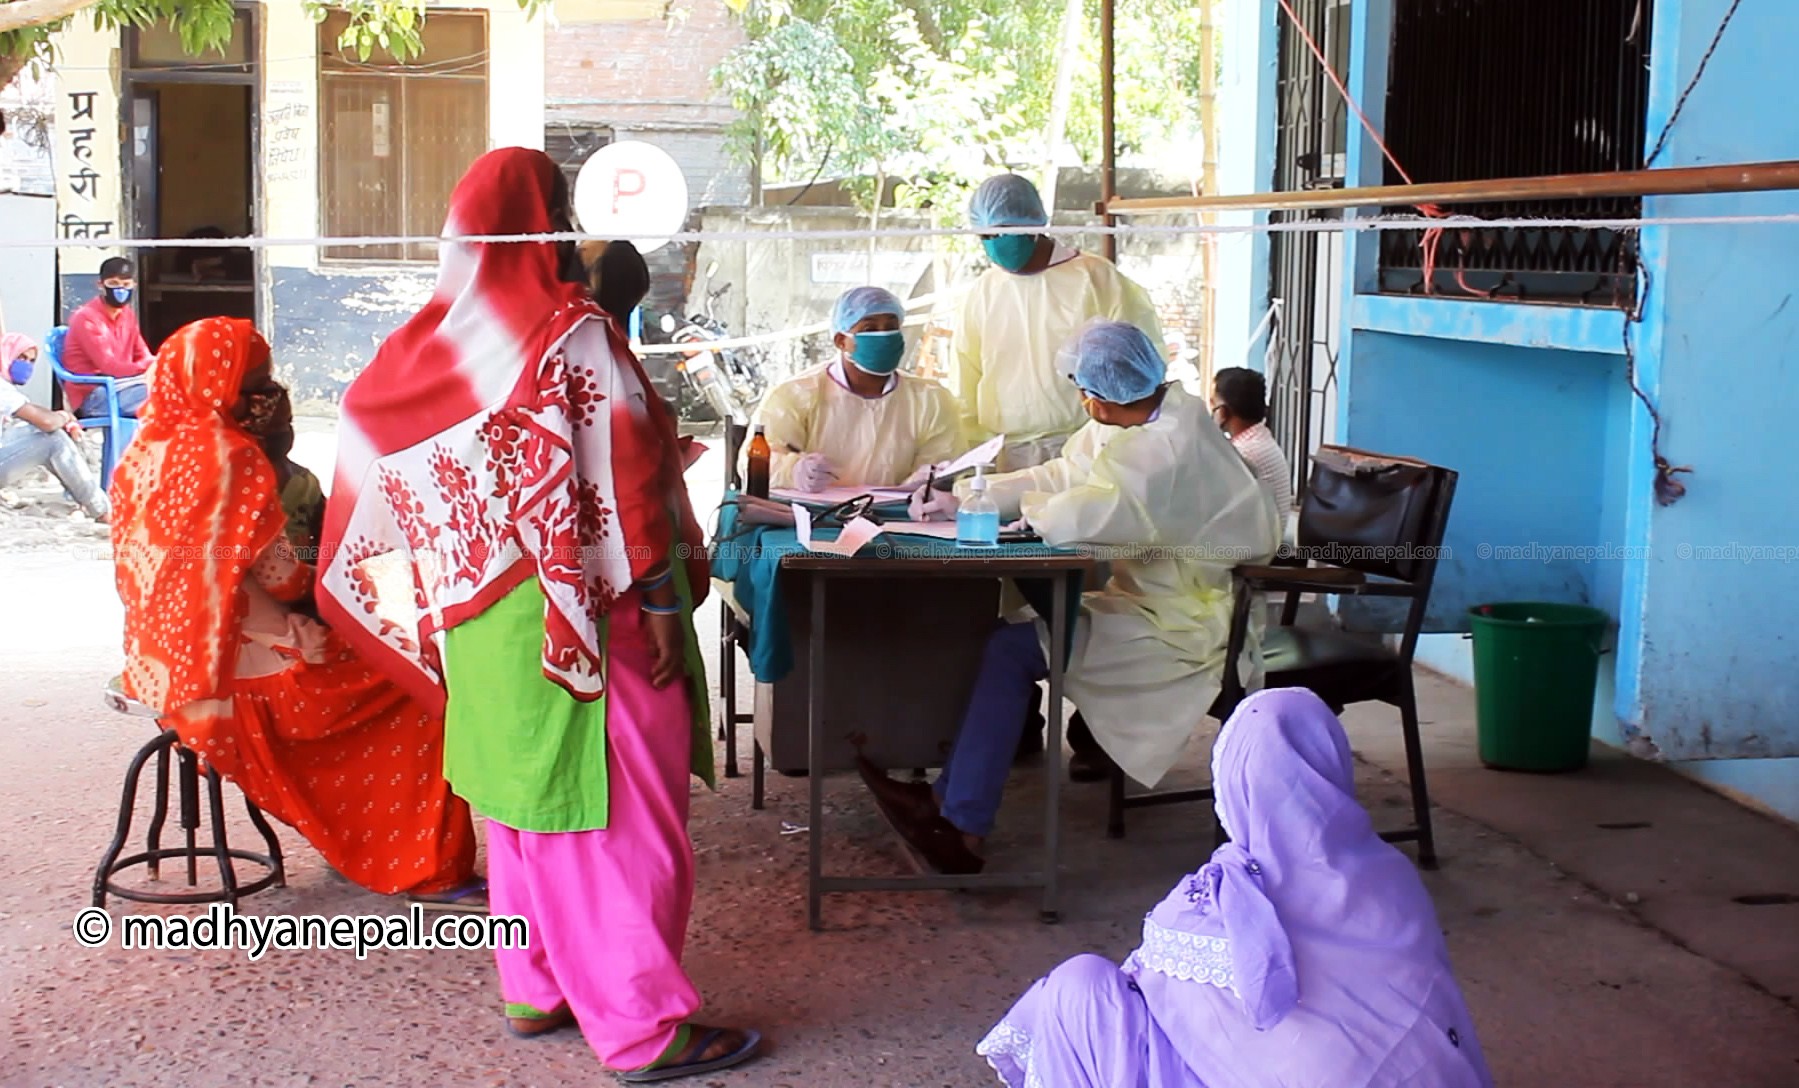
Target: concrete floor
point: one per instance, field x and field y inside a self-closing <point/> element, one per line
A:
<point x="1592" y="917"/>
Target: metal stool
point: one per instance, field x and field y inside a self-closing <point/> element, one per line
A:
<point x="111" y="865"/>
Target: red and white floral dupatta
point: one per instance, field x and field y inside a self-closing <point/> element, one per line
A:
<point x="474" y="453"/>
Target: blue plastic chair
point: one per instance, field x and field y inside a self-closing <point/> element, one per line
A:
<point x="120" y="429"/>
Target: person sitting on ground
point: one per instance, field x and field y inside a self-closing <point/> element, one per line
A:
<point x="1305" y="954"/>
<point x="104" y="339"/>
<point x="858" y="421"/>
<point x="1158" y="489"/>
<point x="1240" y="405"/>
<point x="33" y="437"/>
<point x="277" y="703"/>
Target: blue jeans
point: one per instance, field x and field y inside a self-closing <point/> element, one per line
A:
<point x="132" y="394"/>
<point x="969" y="789"/>
<point x="24" y="447"/>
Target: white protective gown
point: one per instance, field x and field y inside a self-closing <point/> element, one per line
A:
<point x="1007" y="337"/>
<point x="1171" y="508"/>
<point x="871" y="442"/>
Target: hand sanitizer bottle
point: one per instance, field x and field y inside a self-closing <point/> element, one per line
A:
<point x="977" y="520"/>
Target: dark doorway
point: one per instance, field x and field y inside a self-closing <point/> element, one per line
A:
<point x="190" y="162"/>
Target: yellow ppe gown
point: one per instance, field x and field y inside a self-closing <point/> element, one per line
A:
<point x="1171" y="508"/>
<point x="871" y="442"/>
<point x="1007" y="337"/>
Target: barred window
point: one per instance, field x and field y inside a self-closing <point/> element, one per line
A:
<point x="1493" y="89"/>
<point x="397" y="136"/>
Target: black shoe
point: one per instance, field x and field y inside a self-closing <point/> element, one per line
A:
<point x="1089" y="762"/>
<point x="910" y="809"/>
<point x="1090" y="767"/>
<point x="1030" y="742"/>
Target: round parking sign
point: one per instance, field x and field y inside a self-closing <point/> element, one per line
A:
<point x="630" y="189"/>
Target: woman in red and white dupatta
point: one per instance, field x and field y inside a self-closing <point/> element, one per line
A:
<point x="509" y="533"/>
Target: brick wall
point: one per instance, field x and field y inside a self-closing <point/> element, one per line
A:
<point x="644" y="71"/>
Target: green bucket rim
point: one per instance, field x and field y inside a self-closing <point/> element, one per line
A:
<point x="1573" y="615"/>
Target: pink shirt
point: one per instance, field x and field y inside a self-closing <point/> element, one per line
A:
<point x="102" y="341"/>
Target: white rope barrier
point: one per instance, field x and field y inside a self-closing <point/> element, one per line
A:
<point x="779" y="335"/>
<point x="1309" y="226"/>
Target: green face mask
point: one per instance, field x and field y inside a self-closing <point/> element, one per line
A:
<point x="1011" y="251"/>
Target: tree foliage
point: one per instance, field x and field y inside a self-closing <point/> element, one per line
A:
<point x="947" y="91"/>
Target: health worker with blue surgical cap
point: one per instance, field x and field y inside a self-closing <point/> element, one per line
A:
<point x="1019" y="313"/>
<point x="1159" y="492"/>
<point x="858" y="421"/>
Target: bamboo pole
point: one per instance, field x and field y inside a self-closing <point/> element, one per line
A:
<point x="1208" y="184"/>
<point x="1751" y="177"/>
<point x="1108" y="121"/>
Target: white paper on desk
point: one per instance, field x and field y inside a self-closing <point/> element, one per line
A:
<point x="942" y="530"/>
<point x="831" y="496"/>
<point x="987" y="453"/>
<point x="850" y="541"/>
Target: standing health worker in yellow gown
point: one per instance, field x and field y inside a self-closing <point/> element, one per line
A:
<point x="1034" y="299"/>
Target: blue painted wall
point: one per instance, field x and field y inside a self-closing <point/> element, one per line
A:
<point x="1717" y="664"/>
<point x="1530" y="432"/>
<point x="1532" y="406"/>
<point x="326" y="325"/>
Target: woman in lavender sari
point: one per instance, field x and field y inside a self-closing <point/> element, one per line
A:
<point x="1305" y="954"/>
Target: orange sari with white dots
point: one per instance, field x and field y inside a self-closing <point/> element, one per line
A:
<point x="277" y="703"/>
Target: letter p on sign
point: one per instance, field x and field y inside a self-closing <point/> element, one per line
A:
<point x="631" y="189"/>
<point x="626" y="182"/>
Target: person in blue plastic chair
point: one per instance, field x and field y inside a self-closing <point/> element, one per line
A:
<point x="858" y="421"/>
<point x="33" y="437"/>
<point x="1157" y="490"/>
<point x="104" y="339"/>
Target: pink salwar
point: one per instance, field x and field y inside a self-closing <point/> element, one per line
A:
<point x="608" y="909"/>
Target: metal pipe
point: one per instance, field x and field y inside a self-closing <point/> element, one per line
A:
<point x="1108" y="121"/>
<point x="1753" y="177"/>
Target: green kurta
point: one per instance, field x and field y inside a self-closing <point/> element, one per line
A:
<point x="518" y="747"/>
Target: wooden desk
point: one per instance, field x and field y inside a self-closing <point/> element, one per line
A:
<point x="885" y="690"/>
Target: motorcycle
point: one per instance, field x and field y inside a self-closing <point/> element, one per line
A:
<point x="726" y="381"/>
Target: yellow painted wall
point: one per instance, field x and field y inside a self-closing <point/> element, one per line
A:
<point x="289" y="161"/>
<point x="87" y="152"/>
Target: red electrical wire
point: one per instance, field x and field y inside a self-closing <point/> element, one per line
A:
<point x="1434" y="235"/>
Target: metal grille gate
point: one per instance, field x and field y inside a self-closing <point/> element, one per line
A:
<point x="1305" y="269"/>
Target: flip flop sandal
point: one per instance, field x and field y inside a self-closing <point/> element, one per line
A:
<point x="528" y="1023"/>
<point x="470" y="898"/>
<point x="752" y="1041"/>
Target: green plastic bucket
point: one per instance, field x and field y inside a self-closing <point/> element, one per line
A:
<point x="1535" y="667"/>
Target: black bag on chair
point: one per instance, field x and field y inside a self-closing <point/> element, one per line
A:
<point x="1369" y="505"/>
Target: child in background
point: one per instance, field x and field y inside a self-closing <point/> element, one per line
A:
<point x="302" y="499"/>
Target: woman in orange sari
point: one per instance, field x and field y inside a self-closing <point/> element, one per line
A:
<point x="275" y="702"/>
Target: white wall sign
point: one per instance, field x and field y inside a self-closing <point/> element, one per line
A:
<point x="629" y="189"/>
<point x="379" y="121"/>
<point x="890" y="269"/>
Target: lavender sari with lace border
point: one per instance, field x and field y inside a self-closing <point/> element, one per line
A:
<point x="1304" y="954"/>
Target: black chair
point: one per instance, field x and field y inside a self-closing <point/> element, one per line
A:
<point x="154" y="854"/>
<point x="732" y="637"/>
<point x="1371" y="525"/>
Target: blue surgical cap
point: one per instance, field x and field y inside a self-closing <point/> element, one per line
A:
<point x="860" y="302"/>
<point x="1114" y="361"/>
<point x="1007" y="201"/>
